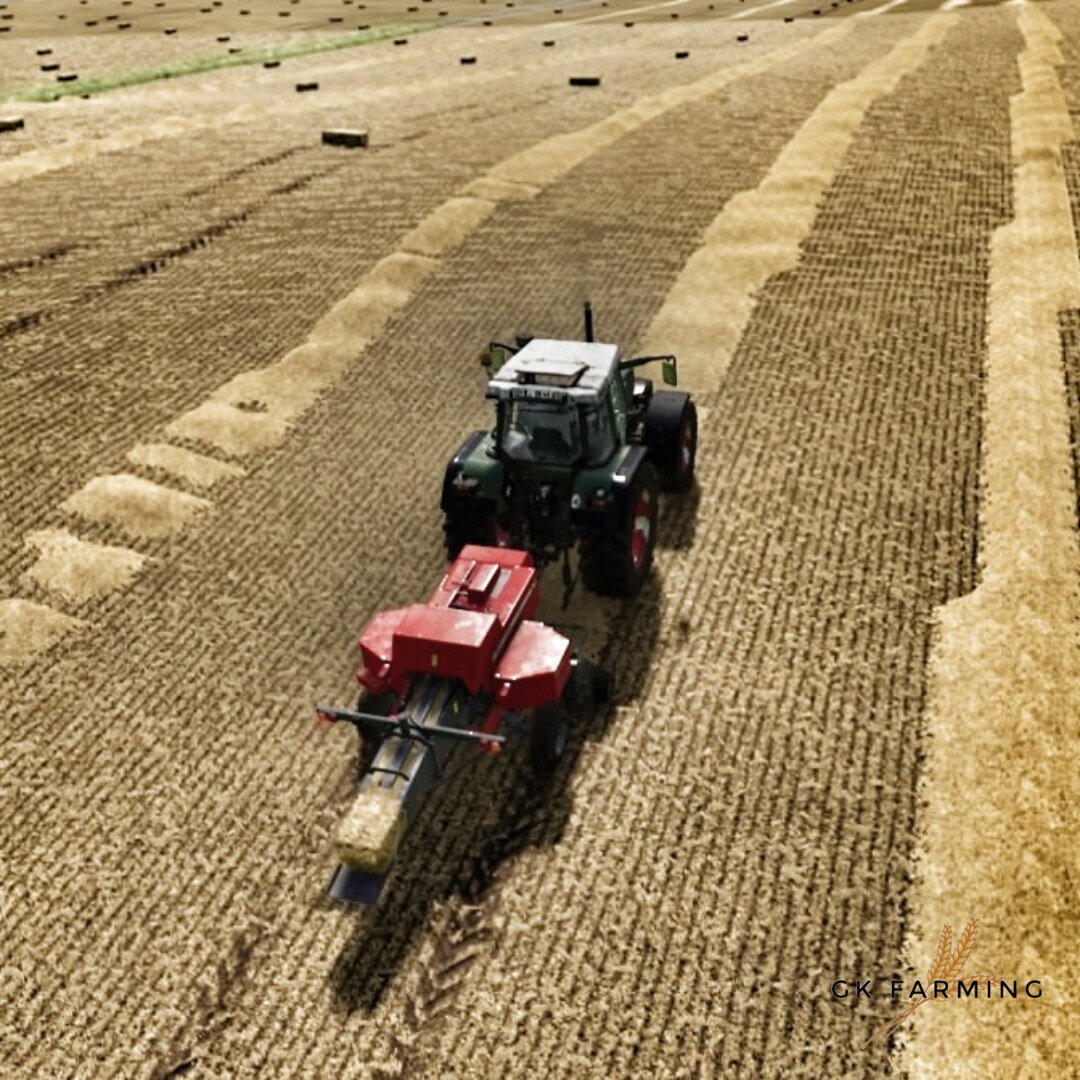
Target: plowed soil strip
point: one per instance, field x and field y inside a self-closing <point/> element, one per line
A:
<point x="163" y="812"/>
<point x="1005" y="670"/>
<point x="759" y="233"/>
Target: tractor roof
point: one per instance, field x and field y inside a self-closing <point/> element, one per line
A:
<point x="556" y="370"/>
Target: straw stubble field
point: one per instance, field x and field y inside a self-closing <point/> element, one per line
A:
<point x="739" y="829"/>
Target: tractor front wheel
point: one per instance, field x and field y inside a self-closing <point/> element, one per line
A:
<point x="548" y="738"/>
<point x="616" y="561"/>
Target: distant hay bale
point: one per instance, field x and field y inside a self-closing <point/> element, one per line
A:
<point x="80" y="570"/>
<point x="140" y="507"/>
<point x="369" y="834"/>
<point x="28" y="629"/>
<point x="11" y="123"/>
<point x="348" y="137"/>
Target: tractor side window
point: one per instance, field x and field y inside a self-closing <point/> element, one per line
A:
<point x="599" y="437"/>
<point x="541" y="432"/>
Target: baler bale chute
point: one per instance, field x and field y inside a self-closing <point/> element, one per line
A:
<point x="469" y="668"/>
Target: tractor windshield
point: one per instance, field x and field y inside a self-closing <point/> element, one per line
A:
<point x="543" y="432"/>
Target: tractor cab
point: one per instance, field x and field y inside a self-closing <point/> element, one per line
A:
<point x="558" y="403"/>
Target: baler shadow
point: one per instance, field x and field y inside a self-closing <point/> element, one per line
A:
<point x="471" y="825"/>
<point x="486" y="813"/>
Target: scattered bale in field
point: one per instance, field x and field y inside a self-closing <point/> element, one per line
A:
<point x="369" y="834"/>
<point x="401" y="41"/>
<point x="123" y="26"/>
<point x="223" y="38"/>
<point x="304" y="87"/>
<point x="468" y="59"/>
<point x="548" y="44"/>
<point x="743" y="37"/>
<point x="77" y="569"/>
<point x="245" y="11"/>
<point x="628" y="24"/>
<point x="336" y="18"/>
<point x="350" y="137"/>
<point x="170" y="29"/>
<point x="284" y="14"/>
<point x="817" y="11"/>
<point x="11" y="123"/>
<point x="682" y="55"/>
<point x="584" y="80"/>
<point x="44" y="52"/>
<point x="487" y="22"/>
<point x="235" y="49"/>
<point x="271" y="63"/>
<point x="139" y="507"/>
<point x="196" y="469"/>
<point x="67" y="78"/>
<point x="364" y="26"/>
<point x="50" y="67"/>
<point x="789" y="18"/>
<point x="674" y="14"/>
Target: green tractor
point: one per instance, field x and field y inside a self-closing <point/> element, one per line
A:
<point x="580" y="450"/>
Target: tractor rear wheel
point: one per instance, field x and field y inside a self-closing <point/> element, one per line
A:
<point x="615" y="562"/>
<point x="549" y="734"/>
<point x="464" y="524"/>
<point x="671" y="431"/>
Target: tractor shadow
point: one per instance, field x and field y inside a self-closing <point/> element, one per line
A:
<point x="677" y="526"/>
<point x="488" y="811"/>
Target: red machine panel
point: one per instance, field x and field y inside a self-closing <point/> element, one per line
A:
<point x="534" y="668"/>
<point x="470" y="624"/>
<point x="445" y="641"/>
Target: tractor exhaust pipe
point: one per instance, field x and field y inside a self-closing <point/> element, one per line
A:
<point x="588" y="322"/>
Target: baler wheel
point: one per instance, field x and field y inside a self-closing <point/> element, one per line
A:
<point x="549" y="734"/>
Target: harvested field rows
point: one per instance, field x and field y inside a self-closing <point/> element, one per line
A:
<point x="740" y="828"/>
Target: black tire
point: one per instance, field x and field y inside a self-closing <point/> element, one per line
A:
<point x="671" y="431"/>
<point x="549" y="735"/>
<point x="464" y="523"/>
<point x="589" y="686"/>
<point x="616" y="562"/>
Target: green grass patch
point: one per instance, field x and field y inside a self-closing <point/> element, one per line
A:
<point x="102" y="83"/>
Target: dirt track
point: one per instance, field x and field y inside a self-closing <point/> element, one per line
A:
<point x="729" y="838"/>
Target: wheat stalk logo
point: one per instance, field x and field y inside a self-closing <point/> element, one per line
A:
<point x="945" y="967"/>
